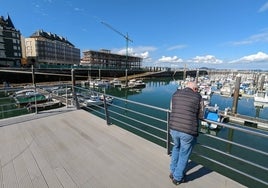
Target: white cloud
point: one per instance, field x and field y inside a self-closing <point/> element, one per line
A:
<point x="140" y="51"/>
<point x="259" y="57"/>
<point x="260" y="37"/>
<point x="173" y="59"/>
<point x="145" y="55"/>
<point x="208" y="59"/>
<point x="181" y="46"/>
<point x="264" y="7"/>
<point x="78" y="9"/>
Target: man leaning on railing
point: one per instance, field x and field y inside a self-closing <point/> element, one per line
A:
<point x="186" y="109"/>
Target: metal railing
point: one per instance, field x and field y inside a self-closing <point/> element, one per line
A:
<point x="235" y="151"/>
<point x="242" y="160"/>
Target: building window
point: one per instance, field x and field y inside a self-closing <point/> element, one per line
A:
<point x="2" y="54"/>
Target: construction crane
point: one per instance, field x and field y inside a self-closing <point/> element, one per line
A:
<point x="125" y="36"/>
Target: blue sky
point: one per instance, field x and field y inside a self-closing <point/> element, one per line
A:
<point x="230" y="34"/>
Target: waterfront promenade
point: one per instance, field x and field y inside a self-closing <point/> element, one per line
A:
<point x="73" y="148"/>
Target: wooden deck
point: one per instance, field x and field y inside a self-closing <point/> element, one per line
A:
<point x="72" y="148"/>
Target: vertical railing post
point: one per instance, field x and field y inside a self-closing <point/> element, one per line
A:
<point x="184" y="72"/>
<point x="196" y="76"/>
<point x="73" y="90"/>
<point x="2" y="111"/>
<point x="106" y="110"/>
<point x="236" y="94"/>
<point x="168" y="136"/>
<point x="34" y="85"/>
<point x="126" y="78"/>
<point x="66" y="87"/>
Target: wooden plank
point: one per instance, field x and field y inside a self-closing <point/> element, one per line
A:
<point x="35" y="173"/>
<point x="9" y="176"/>
<point x="2" y="142"/>
<point x="7" y="156"/>
<point x="1" y="175"/>
<point x="33" y="170"/>
<point x="19" y="146"/>
<point x="22" y="174"/>
<point x="48" y="173"/>
<point x="64" y="178"/>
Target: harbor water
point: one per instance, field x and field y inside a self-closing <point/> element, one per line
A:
<point x="158" y="93"/>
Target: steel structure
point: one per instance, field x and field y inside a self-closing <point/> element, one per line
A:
<point x="125" y="36"/>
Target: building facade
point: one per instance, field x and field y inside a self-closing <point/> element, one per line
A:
<point x="10" y="43"/>
<point x="104" y="59"/>
<point x="43" y="48"/>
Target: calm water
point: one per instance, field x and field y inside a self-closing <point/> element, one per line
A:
<point x="158" y="93"/>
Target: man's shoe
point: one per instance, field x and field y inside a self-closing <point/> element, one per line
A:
<point x="183" y="180"/>
<point x="171" y="176"/>
<point x="176" y="182"/>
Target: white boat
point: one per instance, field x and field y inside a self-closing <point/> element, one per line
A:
<point x="28" y="96"/>
<point x="116" y="83"/>
<point x="92" y="100"/>
<point x="24" y="92"/>
<point x="99" y="83"/>
<point x="133" y="83"/>
<point x="261" y="96"/>
<point x="227" y="90"/>
<point x="61" y="91"/>
<point x="108" y="99"/>
<point x="206" y="93"/>
<point x="260" y="104"/>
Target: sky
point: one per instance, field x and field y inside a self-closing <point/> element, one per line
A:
<point x="220" y="34"/>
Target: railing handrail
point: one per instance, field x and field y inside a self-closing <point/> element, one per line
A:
<point x="245" y="129"/>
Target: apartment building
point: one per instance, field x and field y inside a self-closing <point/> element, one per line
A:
<point x="45" y="48"/>
<point x="10" y="43"/>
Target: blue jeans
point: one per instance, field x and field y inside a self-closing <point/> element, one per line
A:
<point x="183" y="146"/>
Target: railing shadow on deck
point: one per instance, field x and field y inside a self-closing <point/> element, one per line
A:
<point x="197" y="173"/>
<point x="237" y="152"/>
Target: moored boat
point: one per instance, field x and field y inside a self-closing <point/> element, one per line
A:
<point x="29" y="96"/>
<point x="92" y="100"/>
<point x="211" y="113"/>
<point x="261" y="96"/>
<point x="133" y="83"/>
